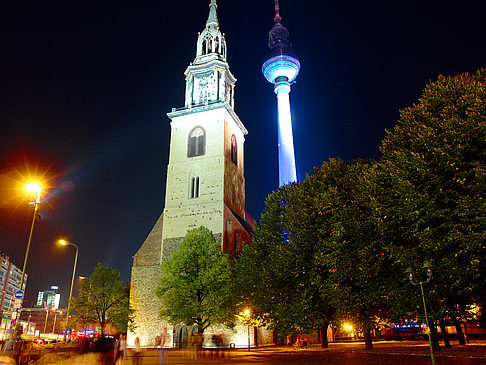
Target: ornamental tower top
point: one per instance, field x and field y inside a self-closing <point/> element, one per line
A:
<point x="208" y="78"/>
<point x="211" y="43"/>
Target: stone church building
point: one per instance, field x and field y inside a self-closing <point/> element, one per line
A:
<point x="205" y="186"/>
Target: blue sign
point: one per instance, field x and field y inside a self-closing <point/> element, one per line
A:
<point x="19" y="294"/>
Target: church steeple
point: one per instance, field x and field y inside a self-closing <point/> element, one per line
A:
<point x="211" y="43"/>
<point x="213" y="17"/>
<point x="208" y="79"/>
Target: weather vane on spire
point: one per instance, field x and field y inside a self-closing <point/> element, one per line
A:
<point x="277" y="18"/>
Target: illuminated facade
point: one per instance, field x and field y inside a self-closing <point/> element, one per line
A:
<point x="10" y="276"/>
<point x="49" y="298"/>
<point x="281" y="69"/>
<point x="205" y="184"/>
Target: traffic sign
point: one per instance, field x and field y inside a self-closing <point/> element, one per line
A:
<point x="17" y="303"/>
<point x="19" y="294"/>
<point x="14" y="315"/>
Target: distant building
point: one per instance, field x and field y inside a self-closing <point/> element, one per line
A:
<point x="10" y="276"/>
<point x="42" y="320"/>
<point x="49" y="298"/>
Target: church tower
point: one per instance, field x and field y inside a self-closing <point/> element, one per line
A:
<point x="205" y="176"/>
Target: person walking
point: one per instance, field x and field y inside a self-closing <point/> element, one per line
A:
<point x="162" y="349"/>
<point x="136" y="352"/>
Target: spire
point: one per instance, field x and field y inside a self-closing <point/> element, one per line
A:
<point x="213" y="17"/>
<point x="277" y="13"/>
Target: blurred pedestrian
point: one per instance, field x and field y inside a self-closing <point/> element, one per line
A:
<point x="136" y="352"/>
<point x="162" y="349"/>
<point x="123" y="348"/>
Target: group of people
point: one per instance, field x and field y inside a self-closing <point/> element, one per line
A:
<point x="162" y="341"/>
<point x="120" y="350"/>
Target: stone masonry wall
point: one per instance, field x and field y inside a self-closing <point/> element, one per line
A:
<point x="143" y="300"/>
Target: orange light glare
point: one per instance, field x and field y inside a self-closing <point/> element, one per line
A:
<point x="33" y="187"/>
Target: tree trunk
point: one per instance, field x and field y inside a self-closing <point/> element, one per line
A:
<point x="368" y="339"/>
<point x="445" y="335"/>
<point x="323" y="335"/>
<point x="466" y="333"/>
<point x="460" y="335"/>
<point x="433" y="336"/>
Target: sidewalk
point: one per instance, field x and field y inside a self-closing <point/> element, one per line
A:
<point x="384" y="353"/>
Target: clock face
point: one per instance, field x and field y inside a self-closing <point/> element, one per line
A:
<point x="208" y="84"/>
<point x="203" y="83"/>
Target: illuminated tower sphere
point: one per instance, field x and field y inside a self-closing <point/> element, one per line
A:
<point x="281" y="69"/>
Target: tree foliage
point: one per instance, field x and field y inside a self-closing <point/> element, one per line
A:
<point x="336" y="245"/>
<point x="196" y="284"/>
<point x="103" y="300"/>
<point x="433" y="183"/>
<point x="277" y="272"/>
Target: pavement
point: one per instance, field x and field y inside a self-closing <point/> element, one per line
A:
<point x="384" y="352"/>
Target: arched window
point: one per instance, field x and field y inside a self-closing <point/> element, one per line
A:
<point x="234" y="150"/>
<point x="196" y="143"/>
<point x="203" y="47"/>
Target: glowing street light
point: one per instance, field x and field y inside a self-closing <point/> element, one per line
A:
<point x="65" y="243"/>
<point x="31" y="188"/>
<point x="411" y="274"/>
<point x="247" y="316"/>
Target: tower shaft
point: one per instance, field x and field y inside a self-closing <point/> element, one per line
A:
<point x="286" y="157"/>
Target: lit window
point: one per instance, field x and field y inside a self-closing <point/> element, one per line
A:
<point x="234" y="150"/>
<point x="196" y="142"/>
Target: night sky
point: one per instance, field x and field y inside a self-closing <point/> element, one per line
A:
<point x="85" y="88"/>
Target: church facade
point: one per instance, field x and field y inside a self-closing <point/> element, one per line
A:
<point x="205" y="183"/>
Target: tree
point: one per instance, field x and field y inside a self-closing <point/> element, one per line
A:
<point x="433" y="179"/>
<point x="103" y="300"/>
<point x="196" y="284"/>
<point x="359" y="273"/>
<point x="278" y="274"/>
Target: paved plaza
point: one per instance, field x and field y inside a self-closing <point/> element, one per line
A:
<point x="389" y="352"/>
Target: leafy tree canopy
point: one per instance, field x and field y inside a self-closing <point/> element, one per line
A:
<point x="433" y="187"/>
<point x="103" y="300"/>
<point x="196" y="284"/>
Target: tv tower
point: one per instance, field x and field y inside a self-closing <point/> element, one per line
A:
<point x="281" y="69"/>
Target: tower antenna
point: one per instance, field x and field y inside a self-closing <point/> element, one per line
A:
<point x="277" y="18"/>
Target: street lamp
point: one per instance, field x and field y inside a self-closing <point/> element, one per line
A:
<point x="65" y="243"/>
<point x="411" y="274"/>
<point x="247" y="315"/>
<point x="31" y="188"/>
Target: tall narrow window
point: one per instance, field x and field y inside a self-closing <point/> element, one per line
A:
<point x="203" y="47"/>
<point x="196" y="143"/>
<point x="234" y="150"/>
<point x="194" y="189"/>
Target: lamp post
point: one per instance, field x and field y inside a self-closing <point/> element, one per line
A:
<point x="411" y="274"/>
<point x="31" y="188"/>
<point x="55" y="318"/>
<point x="247" y="315"/>
<point x="65" y="243"/>
<point x="45" y="322"/>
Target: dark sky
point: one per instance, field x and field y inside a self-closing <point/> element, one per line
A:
<point x="85" y="88"/>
